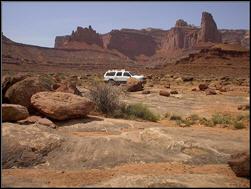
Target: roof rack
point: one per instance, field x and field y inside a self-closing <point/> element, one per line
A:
<point x="115" y="70"/>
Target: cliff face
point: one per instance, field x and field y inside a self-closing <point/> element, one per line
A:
<point x="148" y="42"/>
<point x="130" y="43"/>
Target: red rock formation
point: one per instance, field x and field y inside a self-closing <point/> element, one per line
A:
<point x="180" y="38"/>
<point x="209" y="31"/>
<point x="184" y="36"/>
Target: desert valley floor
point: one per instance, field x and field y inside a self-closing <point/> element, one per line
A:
<point x="99" y="151"/>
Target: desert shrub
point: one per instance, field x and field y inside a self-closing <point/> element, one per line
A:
<point x="221" y="119"/>
<point x="206" y="122"/>
<point x="184" y="122"/>
<point x="167" y="115"/>
<point x="241" y="117"/>
<point x="194" y="117"/>
<point x="238" y="125"/>
<point x="47" y="80"/>
<point x="106" y="98"/>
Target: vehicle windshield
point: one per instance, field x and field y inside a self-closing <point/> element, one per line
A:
<point x="132" y="74"/>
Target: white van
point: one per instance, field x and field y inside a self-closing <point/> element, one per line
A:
<point x="121" y="76"/>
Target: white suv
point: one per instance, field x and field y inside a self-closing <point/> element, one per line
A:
<point x="121" y="76"/>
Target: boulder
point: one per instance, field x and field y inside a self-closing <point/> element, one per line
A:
<point x="68" y="87"/>
<point x="134" y="85"/>
<point x="39" y="120"/>
<point x="240" y="164"/>
<point x="164" y="93"/>
<point x="26" y="146"/>
<point x="14" y="112"/>
<point x="194" y="89"/>
<point x="210" y="92"/>
<point x="60" y="105"/>
<point x="203" y="86"/>
<point x="9" y="80"/>
<point x="21" y="92"/>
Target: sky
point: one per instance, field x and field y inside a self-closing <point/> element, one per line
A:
<point x="38" y="23"/>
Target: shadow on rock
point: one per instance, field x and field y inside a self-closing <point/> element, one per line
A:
<point x="70" y="122"/>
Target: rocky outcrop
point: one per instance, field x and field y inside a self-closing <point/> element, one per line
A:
<point x="61" y="106"/>
<point x="21" y="92"/>
<point x="82" y="35"/>
<point x="14" y="112"/>
<point x="133" y="85"/>
<point x="209" y="31"/>
<point x="25" y="146"/>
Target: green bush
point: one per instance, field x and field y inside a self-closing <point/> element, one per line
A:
<point x="221" y="119"/>
<point x="140" y="110"/>
<point x="167" y="115"/>
<point x="194" y="117"/>
<point x="238" y="125"/>
<point x="134" y="111"/>
<point x="184" y="122"/>
<point x="206" y="122"/>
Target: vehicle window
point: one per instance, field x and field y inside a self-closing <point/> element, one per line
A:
<point x="127" y="74"/>
<point x="132" y="73"/>
<point x="119" y="74"/>
<point x="110" y="73"/>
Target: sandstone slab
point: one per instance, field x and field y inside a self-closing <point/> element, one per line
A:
<point x="61" y="106"/>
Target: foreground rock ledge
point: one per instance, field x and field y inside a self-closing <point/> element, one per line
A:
<point x="27" y="146"/>
<point x="60" y="105"/>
